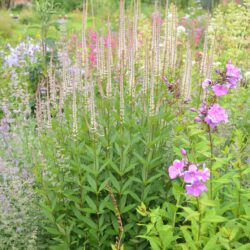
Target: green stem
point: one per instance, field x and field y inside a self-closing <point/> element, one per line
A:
<point x="239" y="194"/>
<point x="176" y="209"/>
<point x="211" y="161"/>
<point x="199" y="221"/>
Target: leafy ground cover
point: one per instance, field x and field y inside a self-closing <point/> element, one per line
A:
<point x="125" y="130"/>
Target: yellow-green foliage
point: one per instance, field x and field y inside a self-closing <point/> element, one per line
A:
<point x="6" y="25"/>
<point x="231" y="24"/>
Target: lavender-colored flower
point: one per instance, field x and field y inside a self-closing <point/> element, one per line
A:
<point x="206" y="83"/>
<point x="220" y="90"/>
<point x="176" y="169"/>
<point x="191" y="175"/>
<point x="204" y="174"/>
<point x="233" y="75"/>
<point x="196" y="188"/>
<point x="203" y="109"/>
<point x="215" y="115"/>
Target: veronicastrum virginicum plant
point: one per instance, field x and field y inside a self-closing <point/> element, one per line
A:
<point x="104" y="123"/>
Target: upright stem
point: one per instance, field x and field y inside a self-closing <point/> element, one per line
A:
<point x="177" y="205"/>
<point x="199" y="221"/>
<point x="175" y="212"/>
<point x="211" y="161"/>
<point x="239" y="194"/>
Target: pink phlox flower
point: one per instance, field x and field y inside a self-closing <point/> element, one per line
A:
<point x="191" y="175"/>
<point x="196" y="188"/>
<point x="203" y="174"/>
<point x="233" y="74"/>
<point x="215" y="115"/>
<point x="176" y="169"/>
<point x="220" y="90"/>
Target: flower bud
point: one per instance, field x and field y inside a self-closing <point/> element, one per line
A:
<point x="183" y="152"/>
<point x="197" y="119"/>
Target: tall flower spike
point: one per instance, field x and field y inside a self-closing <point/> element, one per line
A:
<point x="146" y="73"/>
<point x="85" y="58"/>
<point x="156" y="33"/>
<point x="135" y="24"/>
<point x="174" y="39"/>
<point x="39" y="114"/>
<point x="122" y="35"/>
<point x="99" y="64"/>
<point x="74" y="107"/>
<point x="48" y="110"/>
<point x="132" y="67"/>
<point x="61" y="102"/>
<point x="122" y="106"/>
<point x="166" y="42"/>
<point x="109" y="61"/>
<point x="93" y="122"/>
<point x="211" y="60"/>
<point x="175" y="22"/>
<point x="187" y="75"/>
<point x="78" y="78"/>
<point x="52" y="82"/>
<point x="152" y="97"/>
<point x="203" y="66"/>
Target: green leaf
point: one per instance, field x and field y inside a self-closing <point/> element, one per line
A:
<point x="92" y="183"/>
<point x="91" y="204"/>
<point x="212" y="243"/>
<point x="188" y="238"/>
<point x="214" y="219"/>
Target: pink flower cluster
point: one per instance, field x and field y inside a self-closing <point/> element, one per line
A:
<point x="228" y="80"/>
<point x="192" y="176"/>
<point x="232" y="75"/>
<point x="212" y="115"/>
<point x="215" y="115"/>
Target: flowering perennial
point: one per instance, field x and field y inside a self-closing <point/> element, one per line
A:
<point x="212" y="113"/>
<point x="194" y="177"/>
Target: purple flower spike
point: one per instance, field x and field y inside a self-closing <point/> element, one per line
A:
<point x="196" y="188"/>
<point x="220" y="90"/>
<point x="215" y="115"/>
<point x="176" y="169"/>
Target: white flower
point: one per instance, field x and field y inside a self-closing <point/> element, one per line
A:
<point x="247" y="75"/>
<point x="181" y="30"/>
<point x="216" y="64"/>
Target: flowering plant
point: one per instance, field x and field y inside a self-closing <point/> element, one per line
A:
<point x="193" y="177"/>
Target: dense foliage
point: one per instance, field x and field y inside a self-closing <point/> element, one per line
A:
<point x="124" y="134"/>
